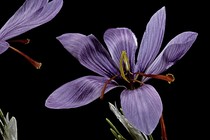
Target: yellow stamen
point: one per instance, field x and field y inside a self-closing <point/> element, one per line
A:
<point x="36" y="64"/>
<point x="124" y="58"/>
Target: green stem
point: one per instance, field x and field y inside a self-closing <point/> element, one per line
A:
<point x="150" y="137"/>
<point x="118" y="134"/>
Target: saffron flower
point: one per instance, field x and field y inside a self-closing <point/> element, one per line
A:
<point x="120" y="66"/>
<point x="31" y="14"/>
<point x="8" y="127"/>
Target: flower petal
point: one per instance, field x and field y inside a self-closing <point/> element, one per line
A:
<point x="30" y="15"/>
<point x="3" y="46"/>
<point x="78" y="92"/>
<point x="90" y="53"/>
<point x="173" y="52"/>
<point x="151" y="41"/>
<point x="142" y="107"/>
<point x="118" y="40"/>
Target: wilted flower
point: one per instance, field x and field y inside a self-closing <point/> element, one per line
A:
<point x="8" y="127"/>
<point x="31" y="14"/>
<point x="140" y="102"/>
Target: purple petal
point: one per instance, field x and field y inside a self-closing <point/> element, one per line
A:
<point x="152" y="40"/>
<point x="142" y="107"/>
<point x="173" y="52"/>
<point x="78" y="93"/>
<point x="118" y="40"/>
<point x="90" y="53"/>
<point x="3" y="46"/>
<point x="31" y="14"/>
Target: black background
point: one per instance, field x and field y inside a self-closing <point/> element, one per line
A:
<point x="24" y="89"/>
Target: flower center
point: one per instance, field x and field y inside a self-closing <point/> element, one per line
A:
<point x="132" y="78"/>
<point x="36" y="64"/>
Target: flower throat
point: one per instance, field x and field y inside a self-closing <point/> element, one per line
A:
<point x="131" y="79"/>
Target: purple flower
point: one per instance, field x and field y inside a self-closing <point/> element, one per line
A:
<point x="117" y="67"/>
<point x="31" y="14"/>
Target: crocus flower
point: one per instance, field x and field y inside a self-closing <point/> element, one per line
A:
<point x="31" y="14"/>
<point x="8" y="127"/>
<point x="118" y="67"/>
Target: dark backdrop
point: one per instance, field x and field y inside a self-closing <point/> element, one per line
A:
<point x="24" y="89"/>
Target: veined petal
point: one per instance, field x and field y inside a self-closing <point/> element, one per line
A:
<point x="31" y="14"/>
<point x="90" y="53"/>
<point x="118" y="40"/>
<point x="142" y="107"/>
<point x="173" y="52"/>
<point x="152" y="40"/>
<point x="24" y="12"/>
<point x="78" y="92"/>
<point x="48" y="12"/>
<point x="3" y="46"/>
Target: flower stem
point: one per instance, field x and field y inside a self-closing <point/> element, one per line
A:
<point x="150" y="137"/>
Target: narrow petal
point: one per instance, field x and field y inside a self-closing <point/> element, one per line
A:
<point x="3" y="46"/>
<point x="142" y="107"/>
<point x="77" y="93"/>
<point x="90" y="53"/>
<point x="31" y="14"/>
<point x="173" y="52"/>
<point x="152" y="40"/>
<point x="118" y="40"/>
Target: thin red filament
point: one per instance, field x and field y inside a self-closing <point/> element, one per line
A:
<point x="105" y="85"/>
<point x="163" y="129"/>
<point x="168" y="77"/>
<point x="36" y="64"/>
<point x="23" y="41"/>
